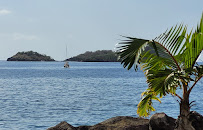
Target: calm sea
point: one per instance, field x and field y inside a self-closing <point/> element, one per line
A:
<point x="38" y="95"/>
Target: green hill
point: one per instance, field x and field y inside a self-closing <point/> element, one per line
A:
<point x="29" y="56"/>
<point x="97" y="56"/>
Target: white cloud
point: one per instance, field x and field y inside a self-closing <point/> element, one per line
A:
<point x="19" y="36"/>
<point x="4" y="12"/>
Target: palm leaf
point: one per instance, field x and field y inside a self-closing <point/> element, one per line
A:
<point x="131" y="50"/>
<point x="135" y="51"/>
<point x="194" y="46"/>
<point x="145" y="105"/>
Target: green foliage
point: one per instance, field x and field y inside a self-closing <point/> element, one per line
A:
<point x="97" y="56"/>
<point x="169" y="62"/>
<point x="145" y="105"/>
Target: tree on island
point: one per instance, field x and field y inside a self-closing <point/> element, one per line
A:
<point x="169" y="62"/>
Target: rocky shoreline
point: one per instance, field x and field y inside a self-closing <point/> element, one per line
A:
<point x="158" y="121"/>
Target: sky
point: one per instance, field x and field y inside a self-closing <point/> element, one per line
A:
<point x="48" y="26"/>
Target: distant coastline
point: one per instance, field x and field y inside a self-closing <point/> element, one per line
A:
<point x="30" y="56"/>
<point x="97" y="56"/>
<point x="88" y="56"/>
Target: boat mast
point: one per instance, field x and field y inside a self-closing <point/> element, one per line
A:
<point x="66" y="52"/>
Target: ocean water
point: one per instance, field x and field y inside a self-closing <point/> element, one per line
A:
<point x="39" y="95"/>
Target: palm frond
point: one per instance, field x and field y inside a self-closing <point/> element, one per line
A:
<point x="165" y="47"/>
<point x="131" y="50"/>
<point x="163" y="82"/>
<point x="171" y="83"/>
<point x="160" y="83"/>
<point x="173" y="39"/>
<point x="145" y="105"/>
<point x="150" y="60"/>
<point x="194" y="46"/>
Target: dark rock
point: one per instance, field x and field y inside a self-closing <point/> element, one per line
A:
<point x="115" y="123"/>
<point x="83" y="127"/>
<point x="62" y="126"/>
<point x="122" y="123"/>
<point x="160" y="121"/>
<point x="196" y="119"/>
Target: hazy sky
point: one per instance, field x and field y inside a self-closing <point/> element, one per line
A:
<point x="47" y="26"/>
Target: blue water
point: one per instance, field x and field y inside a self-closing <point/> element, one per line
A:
<point x="38" y="95"/>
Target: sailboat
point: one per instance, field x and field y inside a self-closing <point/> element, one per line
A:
<point x="66" y="65"/>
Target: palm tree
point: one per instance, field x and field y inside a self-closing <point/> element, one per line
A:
<point x="169" y="62"/>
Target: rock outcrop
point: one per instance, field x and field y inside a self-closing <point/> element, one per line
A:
<point x="122" y="123"/>
<point x="158" y="121"/>
<point x="115" y="123"/>
<point x="62" y="126"/>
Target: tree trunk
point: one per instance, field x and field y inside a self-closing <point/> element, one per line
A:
<point x="183" y="123"/>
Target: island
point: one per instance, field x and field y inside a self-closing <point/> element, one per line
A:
<point x="97" y="56"/>
<point x="30" y="56"/>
